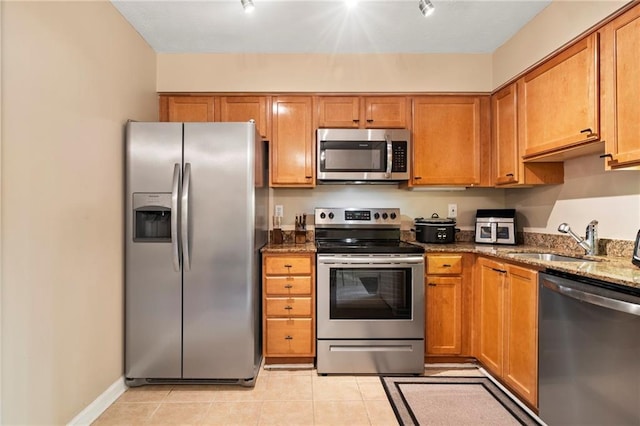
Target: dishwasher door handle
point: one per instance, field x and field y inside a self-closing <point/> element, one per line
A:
<point x="594" y="299"/>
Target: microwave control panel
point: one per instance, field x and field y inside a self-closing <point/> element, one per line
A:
<point x="399" y="157"/>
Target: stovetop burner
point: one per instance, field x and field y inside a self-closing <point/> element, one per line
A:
<point x="369" y="247"/>
<point x="358" y="230"/>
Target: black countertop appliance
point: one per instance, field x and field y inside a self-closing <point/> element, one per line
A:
<point x="435" y="230"/>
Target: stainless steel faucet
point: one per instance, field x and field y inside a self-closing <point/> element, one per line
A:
<point x="590" y="242"/>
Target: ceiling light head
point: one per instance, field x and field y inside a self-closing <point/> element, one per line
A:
<point x="248" y="6"/>
<point x="426" y="7"/>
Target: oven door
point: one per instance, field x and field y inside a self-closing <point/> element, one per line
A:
<point x="370" y="296"/>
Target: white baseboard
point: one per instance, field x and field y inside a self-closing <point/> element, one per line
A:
<point x="100" y="404"/>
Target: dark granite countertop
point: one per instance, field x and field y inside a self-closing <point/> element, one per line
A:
<point x="308" y="247"/>
<point x="616" y="270"/>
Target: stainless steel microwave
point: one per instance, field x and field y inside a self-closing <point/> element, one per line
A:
<point x="363" y="155"/>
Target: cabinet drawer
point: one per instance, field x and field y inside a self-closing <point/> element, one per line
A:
<point x="289" y="337"/>
<point x="445" y="265"/>
<point x="285" y="265"/>
<point x="288" y="306"/>
<point x="285" y="286"/>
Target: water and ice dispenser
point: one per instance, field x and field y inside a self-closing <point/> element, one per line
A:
<point x="152" y="217"/>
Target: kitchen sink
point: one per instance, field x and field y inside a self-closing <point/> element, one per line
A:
<point x="549" y="257"/>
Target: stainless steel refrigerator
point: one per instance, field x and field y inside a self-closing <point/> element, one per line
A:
<point x="195" y="220"/>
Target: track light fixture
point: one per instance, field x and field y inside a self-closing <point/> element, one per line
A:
<point x="247" y="5"/>
<point x="426" y="7"/>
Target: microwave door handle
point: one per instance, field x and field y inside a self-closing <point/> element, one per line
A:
<point x="494" y="232"/>
<point x="389" y="155"/>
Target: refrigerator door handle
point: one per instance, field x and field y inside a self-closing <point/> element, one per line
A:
<point x="175" y="246"/>
<point x="185" y="216"/>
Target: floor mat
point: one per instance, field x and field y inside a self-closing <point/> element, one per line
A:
<point x="438" y="400"/>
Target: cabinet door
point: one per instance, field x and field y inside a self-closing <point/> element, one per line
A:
<point x="448" y="132"/>
<point x="187" y="108"/>
<point x="339" y="111"/>
<point x="385" y="112"/>
<point x="443" y="315"/>
<point x="292" y="153"/>
<point x="620" y="67"/>
<point x="245" y="108"/>
<point x="490" y="314"/>
<point x="558" y="101"/>
<point x="520" y="368"/>
<point x="505" y="136"/>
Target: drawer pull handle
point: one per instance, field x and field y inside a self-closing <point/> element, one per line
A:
<point x="355" y="120"/>
<point x="502" y="271"/>
<point x="288" y="286"/>
<point x="369" y="121"/>
<point x="432" y="284"/>
<point x="288" y="308"/>
<point x="288" y="338"/>
<point x="509" y="174"/>
<point x="288" y="266"/>
<point x="446" y="265"/>
<point x="588" y="132"/>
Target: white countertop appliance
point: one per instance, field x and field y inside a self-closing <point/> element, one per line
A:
<point x="496" y="226"/>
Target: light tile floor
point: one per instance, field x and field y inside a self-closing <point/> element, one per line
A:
<point x="280" y="397"/>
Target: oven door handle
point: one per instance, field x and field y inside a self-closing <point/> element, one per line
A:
<point x="370" y="261"/>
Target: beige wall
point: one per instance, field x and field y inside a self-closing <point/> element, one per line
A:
<point x="555" y="25"/>
<point x="72" y="73"/>
<point x="323" y="73"/>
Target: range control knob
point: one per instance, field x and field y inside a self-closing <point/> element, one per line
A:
<point x="385" y="216"/>
<point x="376" y="216"/>
<point x="393" y="215"/>
<point x="331" y="215"/>
<point x="322" y="215"/>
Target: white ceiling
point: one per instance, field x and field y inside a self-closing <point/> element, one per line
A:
<point x="327" y="26"/>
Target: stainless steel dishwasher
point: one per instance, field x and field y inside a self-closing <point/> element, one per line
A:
<point x="589" y="351"/>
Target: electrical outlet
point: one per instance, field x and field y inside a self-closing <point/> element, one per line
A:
<point x="279" y="210"/>
<point x="452" y="211"/>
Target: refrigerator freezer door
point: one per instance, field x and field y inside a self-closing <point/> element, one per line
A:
<point x="153" y="290"/>
<point x="219" y="321"/>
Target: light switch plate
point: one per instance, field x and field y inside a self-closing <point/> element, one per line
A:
<point x="279" y="210"/>
<point x="452" y="211"/>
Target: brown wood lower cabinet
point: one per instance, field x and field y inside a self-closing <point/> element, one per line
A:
<point x="289" y="307"/>
<point x="506" y="324"/>
<point x="447" y="304"/>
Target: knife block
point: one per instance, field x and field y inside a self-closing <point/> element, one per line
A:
<point x="300" y="237"/>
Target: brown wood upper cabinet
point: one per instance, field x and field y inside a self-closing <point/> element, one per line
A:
<point x="371" y="112"/>
<point x="292" y="147"/>
<point x="620" y="79"/>
<point x="509" y="169"/>
<point x="449" y="136"/>
<point x="558" y="103"/>
<point x="245" y="108"/>
<point x="188" y="108"/>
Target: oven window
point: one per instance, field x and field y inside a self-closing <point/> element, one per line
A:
<point x="503" y="232"/>
<point x="353" y="156"/>
<point x="485" y="232"/>
<point x="370" y="293"/>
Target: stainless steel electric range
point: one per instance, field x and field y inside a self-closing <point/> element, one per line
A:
<point x="370" y="293"/>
